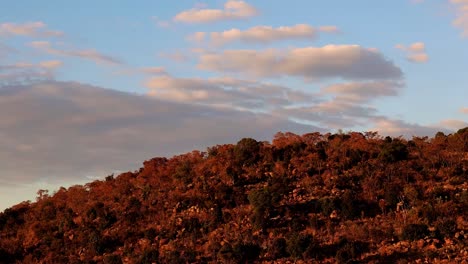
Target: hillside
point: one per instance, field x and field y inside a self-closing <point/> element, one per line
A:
<point x="315" y="198"/>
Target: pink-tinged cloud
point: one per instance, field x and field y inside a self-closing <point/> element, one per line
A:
<point x="30" y="29"/>
<point x="264" y="34"/>
<point x="233" y="10"/>
<point x="225" y="92"/>
<point x="361" y="92"/>
<point x="52" y="64"/>
<point x="461" y="16"/>
<point x="331" y="61"/>
<point x="415" y="52"/>
<point x="464" y="110"/>
<point x="84" y="130"/>
<point x="89" y="54"/>
<point x="25" y="72"/>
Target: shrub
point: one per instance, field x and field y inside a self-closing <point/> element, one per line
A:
<point x="246" y="252"/>
<point x="278" y="248"/>
<point x="414" y="232"/>
<point x="393" y="151"/>
<point x="297" y="244"/>
<point x="246" y="151"/>
<point x="350" y="251"/>
<point x="446" y="226"/>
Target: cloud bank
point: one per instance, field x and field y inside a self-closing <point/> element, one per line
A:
<point x="330" y="61"/>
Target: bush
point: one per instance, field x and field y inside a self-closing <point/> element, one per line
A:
<point x="350" y="250"/>
<point x="297" y="244"/>
<point x="278" y="248"/>
<point x="262" y="201"/>
<point x="446" y="227"/>
<point x="414" y="232"/>
<point x="393" y="151"/>
<point x="246" y="151"/>
<point x="246" y="252"/>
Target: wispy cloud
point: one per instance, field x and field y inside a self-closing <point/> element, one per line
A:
<point x="464" y="110"/>
<point x="360" y="92"/>
<point x="89" y="54"/>
<point x="226" y="92"/>
<point x="415" y="52"/>
<point x="461" y="16"/>
<point x="264" y="34"/>
<point x="25" y="72"/>
<point x="30" y="29"/>
<point x="233" y="10"/>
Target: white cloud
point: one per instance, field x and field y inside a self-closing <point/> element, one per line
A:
<point x="461" y="15"/>
<point x="233" y="9"/>
<point x="30" y="29"/>
<point x="415" y="52"/>
<point x="331" y="61"/>
<point x="264" y="34"/>
<point x="225" y="92"/>
<point x="89" y="54"/>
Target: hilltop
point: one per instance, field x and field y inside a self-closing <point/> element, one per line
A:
<point x="316" y="198"/>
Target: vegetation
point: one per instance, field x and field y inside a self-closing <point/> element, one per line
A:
<point x="316" y="198"/>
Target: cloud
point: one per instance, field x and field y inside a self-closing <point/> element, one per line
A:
<point x="415" y="52"/>
<point x="29" y="29"/>
<point x="154" y="70"/>
<point x="89" y="54"/>
<point x="161" y="23"/>
<point x="233" y="10"/>
<point x="6" y="50"/>
<point x="464" y="110"/>
<point x="52" y="64"/>
<point x="177" y="56"/>
<point x="453" y="124"/>
<point x="461" y="16"/>
<point x="80" y="130"/>
<point x="24" y="72"/>
<point x="360" y="92"/>
<point x="396" y="127"/>
<point x="332" y="61"/>
<point x="264" y="34"/>
<point x="225" y="92"/>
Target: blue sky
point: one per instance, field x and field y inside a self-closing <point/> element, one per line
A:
<point x="89" y="88"/>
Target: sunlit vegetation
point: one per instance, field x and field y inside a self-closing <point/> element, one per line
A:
<point x="317" y="198"/>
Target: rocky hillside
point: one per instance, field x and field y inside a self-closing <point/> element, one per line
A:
<point x="315" y="198"/>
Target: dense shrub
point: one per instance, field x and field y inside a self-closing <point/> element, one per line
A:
<point x="414" y="231"/>
<point x="446" y="227"/>
<point x="297" y="244"/>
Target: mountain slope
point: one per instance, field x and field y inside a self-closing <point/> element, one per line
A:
<point x="347" y="198"/>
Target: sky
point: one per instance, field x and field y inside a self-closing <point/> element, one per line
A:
<point x="91" y="88"/>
